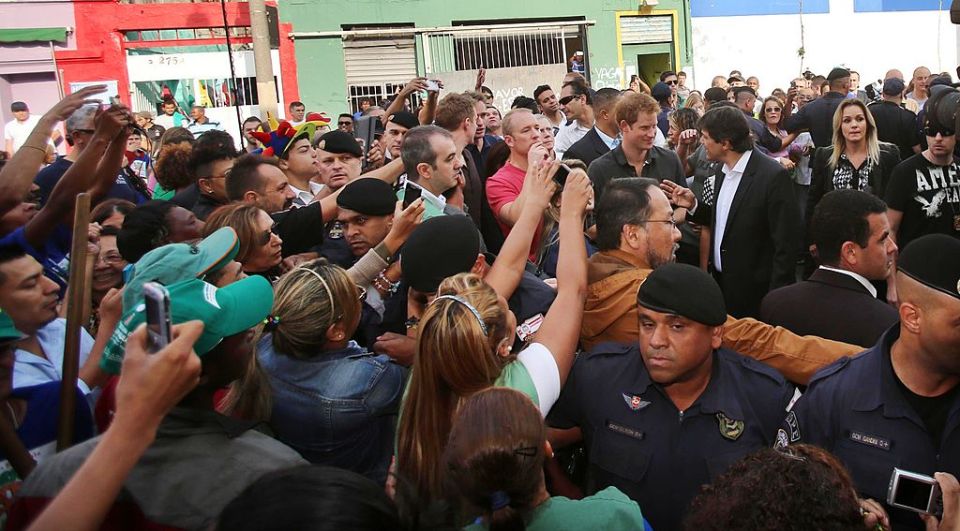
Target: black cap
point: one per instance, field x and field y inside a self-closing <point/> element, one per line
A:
<point x="439" y="248"/>
<point x="405" y="119"/>
<point x="18" y="106"/>
<point x="340" y="142"/>
<point x="715" y="94"/>
<point x="372" y="197"/>
<point x="738" y="90"/>
<point x="838" y="73"/>
<point x="934" y="261"/>
<point x="683" y="290"/>
<point x="893" y="86"/>
<point x="661" y="91"/>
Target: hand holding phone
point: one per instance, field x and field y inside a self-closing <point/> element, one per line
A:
<point x="411" y="193"/>
<point x="157" y="302"/>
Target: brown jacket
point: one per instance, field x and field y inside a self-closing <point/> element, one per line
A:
<point x="614" y="277"/>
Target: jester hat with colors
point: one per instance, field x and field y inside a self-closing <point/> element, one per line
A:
<point x="275" y="143"/>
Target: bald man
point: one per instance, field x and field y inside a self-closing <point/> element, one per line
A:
<point x="921" y="86"/>
<point x="896" y="404"/>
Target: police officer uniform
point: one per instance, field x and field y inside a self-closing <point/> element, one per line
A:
<point x="636" y="438"/>
<point x="858" y="409"/>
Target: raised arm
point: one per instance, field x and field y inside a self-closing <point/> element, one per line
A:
<point x="538" y="188"/>
<point x="17" y="175"/>
<point x="59" y="207"/>
<point x="560" y="330"/>
<point x="415" y="84"/>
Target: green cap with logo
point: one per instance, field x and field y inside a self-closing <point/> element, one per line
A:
<point x="224" y="311"/>
<point x="177" y="262"/>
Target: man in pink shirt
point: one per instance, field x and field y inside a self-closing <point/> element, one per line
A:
<point x="522" y="135"/>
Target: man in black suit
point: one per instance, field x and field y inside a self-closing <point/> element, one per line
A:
<point x="817" y="116"/>
<point x="755" y="217"/>
<point x="852" y="234"/>
<point x="605" y="134"/>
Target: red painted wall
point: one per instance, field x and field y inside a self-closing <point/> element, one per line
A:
<point x="101" y="56"/>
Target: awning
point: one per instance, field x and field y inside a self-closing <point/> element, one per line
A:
<point x="33" y="35"/>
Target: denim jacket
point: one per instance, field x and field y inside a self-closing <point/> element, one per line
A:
<point x="338" y="408"/>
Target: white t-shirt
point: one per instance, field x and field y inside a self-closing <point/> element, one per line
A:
<point x="18" y="132"/>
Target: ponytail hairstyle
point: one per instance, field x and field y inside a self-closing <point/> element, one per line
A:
<point x="457" y="356"/>
<point x="309" y="300"/>
<point x="494" y="458"/>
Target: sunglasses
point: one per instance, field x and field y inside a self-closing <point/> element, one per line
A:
<point x="344" y="123"/>
<point x="771" y="109"/>
<point x="567" y="99"/>
<point x="933" y="131"/>
<point x="674" y="82"/>
<point x="264" y="237"/>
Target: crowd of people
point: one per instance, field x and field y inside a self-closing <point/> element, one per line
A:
<point x="651" y="308"/>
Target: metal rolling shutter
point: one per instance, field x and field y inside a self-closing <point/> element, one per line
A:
<point x="378" y="61"/>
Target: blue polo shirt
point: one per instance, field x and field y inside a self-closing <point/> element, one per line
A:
<point x="638" y="441"/>
<point x="855" y="409"/>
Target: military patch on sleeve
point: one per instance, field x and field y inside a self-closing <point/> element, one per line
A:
<point x="794" y="426"/>
<point x="782" y="441"/>
<point x="730" y="428"/>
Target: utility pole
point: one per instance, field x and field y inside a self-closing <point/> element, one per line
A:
<point x="266" y="89"/>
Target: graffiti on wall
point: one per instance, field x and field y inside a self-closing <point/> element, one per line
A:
<point x="606" y="76"/>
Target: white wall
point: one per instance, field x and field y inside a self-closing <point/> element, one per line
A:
<point x="870" y="43"/>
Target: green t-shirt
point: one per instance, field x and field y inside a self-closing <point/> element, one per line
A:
<point x="608" y="509"/>
<point x="159" y="192"/>
<point x="516" y="377"/>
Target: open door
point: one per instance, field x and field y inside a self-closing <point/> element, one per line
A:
<point x="650" y="65"/>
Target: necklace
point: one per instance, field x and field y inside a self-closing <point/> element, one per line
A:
<point x="13" y="416"/>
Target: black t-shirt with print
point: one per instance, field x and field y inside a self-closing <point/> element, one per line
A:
<point x="929" y="197"/>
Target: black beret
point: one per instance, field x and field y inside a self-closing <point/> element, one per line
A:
<point x="405" y="119"/>
<point x="372" y="197"/>
<point x="683" y="290"/>
<point x="439" y="248"/>
<point x="838" y="73"/>
<point x="339" y="142"/>
<point x="934" y="261"/>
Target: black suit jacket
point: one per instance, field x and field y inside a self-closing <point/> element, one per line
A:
<point x="830" y="305"/>
<point x="762" y="236"/>
<point x="588" y="148"/>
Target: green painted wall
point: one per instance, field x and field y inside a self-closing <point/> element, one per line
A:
<point x="322" y="80"/>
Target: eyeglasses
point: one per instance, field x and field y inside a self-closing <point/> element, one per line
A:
<point x="771" y="109"/>
<point x="933" y="131"/>
<point x="674" y="82"/>
<point x="567" y="99"/>
<point x="670" y="221"/>
<point x="110" y="258"/>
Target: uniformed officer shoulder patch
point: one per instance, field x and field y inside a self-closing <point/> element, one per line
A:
<point x="730" y="428"/>
<point x="782" y="441"/>
<point x="794" y="426"/>
<point x="870" y="440"/>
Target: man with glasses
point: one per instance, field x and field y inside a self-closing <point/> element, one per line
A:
<point x="670" y="79"/>
<point x="345" y="123"/>
<point x="924" y="190"/>
<point x="576" y="101"/>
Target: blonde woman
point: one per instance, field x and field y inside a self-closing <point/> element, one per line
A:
<point x="465" y="342"/>
<point x="333" y="401"/>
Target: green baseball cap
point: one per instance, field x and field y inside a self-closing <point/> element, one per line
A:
<point x="177" y="262"/>
<point x="8" y="332"/>
<point x="224" y="311"/>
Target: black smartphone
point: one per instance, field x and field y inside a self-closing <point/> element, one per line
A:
<point x="157" y="302"/>
<point x="793" y="84"/>
<point x="410" y="194"/>
<point x="365" y="131"/>
<point x="561" y="176"/>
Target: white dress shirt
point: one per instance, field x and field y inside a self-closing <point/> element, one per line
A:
<point x="305" y="197"/>
<point x="858" y="277"/>
<point x="611" y="142"/>
<point x="568" y="135"/>
<point x="731" y="181"/>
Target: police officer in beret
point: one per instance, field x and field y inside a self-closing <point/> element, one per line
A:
<point x="670" y="413"/>
<point x="339" y="162"/>
<point x="365" y="211"/>
<point x="898" y="403"/>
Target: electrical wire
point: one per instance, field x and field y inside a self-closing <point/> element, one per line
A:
<point x="233" y="73"/>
